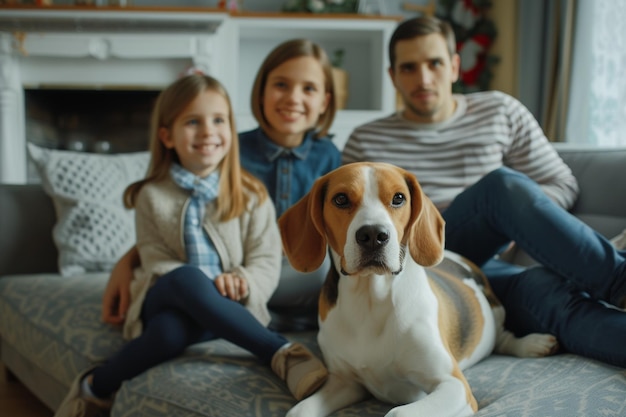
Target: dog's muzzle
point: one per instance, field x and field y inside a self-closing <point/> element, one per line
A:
<point x="372" y="241"/>
<point x="372" y="238"/>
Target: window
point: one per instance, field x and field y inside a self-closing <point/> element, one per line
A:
<point x="597" y="105"/>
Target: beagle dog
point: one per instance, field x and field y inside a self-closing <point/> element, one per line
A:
<point x="395" y="321"/>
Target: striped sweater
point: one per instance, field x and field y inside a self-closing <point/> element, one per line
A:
<point x="488" y="130"/>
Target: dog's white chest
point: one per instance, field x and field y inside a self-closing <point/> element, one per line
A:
<point x="383" y="343"/>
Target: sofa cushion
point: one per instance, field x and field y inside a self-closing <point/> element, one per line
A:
<point x="55" y="323"/>
<point x="602" y="200"/>
<point x="93" y="229"/>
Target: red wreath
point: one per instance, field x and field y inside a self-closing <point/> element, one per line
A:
<point x="473" y="54"/>
<point x="475" y="35"/>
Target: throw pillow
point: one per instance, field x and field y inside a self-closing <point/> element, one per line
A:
<point x="93" y="228"/>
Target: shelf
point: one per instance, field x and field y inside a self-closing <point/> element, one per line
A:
<point x="363" y="41"/>
<point x="313" y="16"/>
<point x="109" y="19"/>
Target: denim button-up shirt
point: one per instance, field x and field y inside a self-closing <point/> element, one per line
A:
<point x="288" y="173"/>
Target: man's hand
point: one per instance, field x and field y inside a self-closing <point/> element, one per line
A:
<point x="232" y="286"/>
<point x="116" y="297"/>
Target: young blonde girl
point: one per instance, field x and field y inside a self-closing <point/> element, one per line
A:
<point x="293" y="100"/>
<point x="204" y="272"/>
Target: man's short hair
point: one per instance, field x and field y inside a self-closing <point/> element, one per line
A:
<point x="421" y="26"/>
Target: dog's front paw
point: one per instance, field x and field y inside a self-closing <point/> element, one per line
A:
<point x="297" y="411"/>
<point x="418" y="409"/>
<point x="536" y="345"/>
<point x="396" y="412"/>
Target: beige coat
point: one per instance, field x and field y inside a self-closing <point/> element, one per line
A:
<point x="249" y="245"/>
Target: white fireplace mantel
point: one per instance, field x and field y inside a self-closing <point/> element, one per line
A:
<point x="147" y="48"/>
<point x="93" y="49"/>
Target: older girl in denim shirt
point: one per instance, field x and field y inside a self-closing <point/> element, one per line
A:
<point x="293" y="99"/>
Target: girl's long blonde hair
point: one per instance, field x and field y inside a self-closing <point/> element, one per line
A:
<point x="232" y="199"/>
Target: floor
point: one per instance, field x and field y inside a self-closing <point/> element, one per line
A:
<point x="17" y="401"/>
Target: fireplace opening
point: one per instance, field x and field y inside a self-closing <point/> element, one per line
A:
<point x="89" y="120"/>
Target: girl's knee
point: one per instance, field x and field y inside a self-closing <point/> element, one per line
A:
<point x="187" y="272"/>
<point x="186" y="278"/>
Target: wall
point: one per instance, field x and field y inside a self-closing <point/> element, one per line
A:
<point x="392" y="7"/>
<point x="504" y="15"/>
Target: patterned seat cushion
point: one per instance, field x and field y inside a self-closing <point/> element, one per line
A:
<point x="218" y="379"/>
<point x="55" y="323"/>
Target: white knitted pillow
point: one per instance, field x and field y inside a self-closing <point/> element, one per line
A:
<point x="93" y="228"/>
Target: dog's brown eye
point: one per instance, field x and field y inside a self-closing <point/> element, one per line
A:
<point x="398" y="200"/>
<point x="341" y="200"/>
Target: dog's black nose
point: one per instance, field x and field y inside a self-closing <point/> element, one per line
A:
<point x="372" y="237"/>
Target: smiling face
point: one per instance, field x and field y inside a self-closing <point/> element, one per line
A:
<point x="423" y="74"/>
<point x="201" y="135"/>
<point x="293" y="99"/>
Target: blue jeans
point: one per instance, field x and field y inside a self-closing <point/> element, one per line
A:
<point x="579" y="266"/>
<point x="184" y="307"/>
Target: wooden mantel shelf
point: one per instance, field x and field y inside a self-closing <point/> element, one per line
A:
<point x="110" y="19"/>
<point x="30" y="18"/>
<point x="306" y="15"/>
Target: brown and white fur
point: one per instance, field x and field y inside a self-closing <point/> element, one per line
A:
<point x="389" y="326"/>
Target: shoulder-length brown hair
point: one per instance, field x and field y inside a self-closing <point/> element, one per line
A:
<point x="295" y="48"/>
<point x="232" y="199"/>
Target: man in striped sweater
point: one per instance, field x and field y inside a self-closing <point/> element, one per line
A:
<point x="485" y="162"/>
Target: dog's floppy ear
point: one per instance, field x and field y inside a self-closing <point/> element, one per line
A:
<point x="426" y="234"/>
<point x="302" y="230"/>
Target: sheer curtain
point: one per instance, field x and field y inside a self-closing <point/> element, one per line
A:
<point x="597" y="102"/>
<point x="546" y="33"/>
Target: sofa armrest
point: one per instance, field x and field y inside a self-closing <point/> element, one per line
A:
<point x="601" y="203"/>
<point x="601" y="175"/>
<point x="27" y="217"/>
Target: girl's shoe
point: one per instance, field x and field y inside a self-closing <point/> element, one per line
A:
<point x="303" y="372"/>
<point x="76" y="404"/>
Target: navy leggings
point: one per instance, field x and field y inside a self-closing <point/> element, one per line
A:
<point x="184" y="307"/>
<point x="580" y="268"/>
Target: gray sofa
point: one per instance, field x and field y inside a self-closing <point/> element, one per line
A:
<point x="50" y="330"/>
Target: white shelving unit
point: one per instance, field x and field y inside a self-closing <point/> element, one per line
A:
<point x="364" y="43"/>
